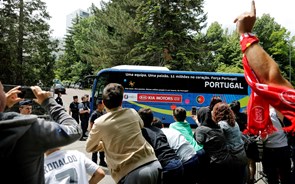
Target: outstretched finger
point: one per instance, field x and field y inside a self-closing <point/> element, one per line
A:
<point x="236" y="20"/>
<point x="13" y="90"/>
<point x="253" y="8"/>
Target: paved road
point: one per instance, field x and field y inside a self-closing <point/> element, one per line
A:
<point x="80" y="145"/>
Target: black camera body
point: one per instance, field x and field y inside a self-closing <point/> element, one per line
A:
<point x="26" y="91"/>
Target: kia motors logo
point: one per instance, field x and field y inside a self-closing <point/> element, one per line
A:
<point x="288" y="97"/>
<point x="258" y="115"/>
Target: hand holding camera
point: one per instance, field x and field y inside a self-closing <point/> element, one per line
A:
<point x="12" y="96"/>
<point x="40" y="94"/>
<point x="18" y="93"/>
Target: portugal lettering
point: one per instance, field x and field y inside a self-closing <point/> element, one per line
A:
<point x="228" y="85"/>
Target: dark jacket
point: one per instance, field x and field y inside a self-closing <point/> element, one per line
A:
<point x="159" y="142"/>
<point x="226" y="166"/>
<point x="214" y="143"/>
<point x="211" y="136"/>
<point x="25" y="138"/>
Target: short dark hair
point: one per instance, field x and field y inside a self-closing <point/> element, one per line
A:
<point x="147" y="116"/>
<point x="179" y="113"/>
<point x="112" y="95"/>
<point x="235" y="106"/>
<point x="75" y="97"/>
<point x="157" y="122"/>
<point x="214" y="100"/>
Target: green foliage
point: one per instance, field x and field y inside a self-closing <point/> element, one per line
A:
<point x="26" y="50"/>
<point x="71" y="66"/>
<point x="276" y="41"/>
<point x="167" y="29"/>
<point x="151" y="32"/>
<point x="110" y="34"/>
<point x="229" y="68"/>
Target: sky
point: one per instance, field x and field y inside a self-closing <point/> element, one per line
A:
<point x="222" y="11"/>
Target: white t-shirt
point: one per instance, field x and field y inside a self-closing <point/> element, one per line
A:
<point x="278" y="138"/>
<point x="68" y="166"/>
<point x="179" y="144"/>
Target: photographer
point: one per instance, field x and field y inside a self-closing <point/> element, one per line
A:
<point x="24" y="139"/>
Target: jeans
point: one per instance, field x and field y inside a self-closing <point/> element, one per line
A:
<point x="173" y="172"/>
<point x="147" y="174"/>
<point x="193" y="168"/>
<point x="277" y="165"/>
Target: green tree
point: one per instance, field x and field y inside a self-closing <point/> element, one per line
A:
<point x="229" y="57"/>
<point x="210" y="44"/>
<point x="102" y="40"/>
<point x="107" y="37"/>
<point x="8" y="42"/>
<point x="276" y="41"/>
<point x="168" y="29"/>
<point x="71" y="66"/>
<point x="27" y="34"/>
<point x="220" y="50"/>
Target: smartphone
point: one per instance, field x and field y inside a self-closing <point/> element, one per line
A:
<point x="26" y="93"/>
<point x="194" y="110"/>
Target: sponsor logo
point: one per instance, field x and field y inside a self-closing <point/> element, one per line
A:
<point x="130" y="97"/>
<point x="261" y="87"/>
<point x="200" y="99"/>
<point x="159" y="98"/>
<point x="258" y="114"/>
<point x="288" y="97"/>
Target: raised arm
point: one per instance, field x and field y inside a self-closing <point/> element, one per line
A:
<point x="61" y="130"/>
<point x="265" y="68"/>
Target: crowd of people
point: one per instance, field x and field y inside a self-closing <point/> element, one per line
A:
<point x="137" y="148"/>
<point x="180" y="154"/>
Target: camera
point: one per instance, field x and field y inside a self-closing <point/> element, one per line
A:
<point x="26" y="91"/>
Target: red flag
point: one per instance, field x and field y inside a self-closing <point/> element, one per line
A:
<point x="262" y="95"/>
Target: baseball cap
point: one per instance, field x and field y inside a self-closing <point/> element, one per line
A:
<point x="26" y="102"/>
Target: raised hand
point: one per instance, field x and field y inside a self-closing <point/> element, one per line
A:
<point x="40" y="94"/>
<point x="246" y="21"/>
<point x="11" y="96"/>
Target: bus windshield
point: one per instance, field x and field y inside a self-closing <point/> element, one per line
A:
<point x="164" y="90"/>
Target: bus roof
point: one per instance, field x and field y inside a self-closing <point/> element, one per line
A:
<point x="164" y="70"/>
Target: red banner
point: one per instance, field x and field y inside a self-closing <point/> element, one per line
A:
<point x="279" y="97"/>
